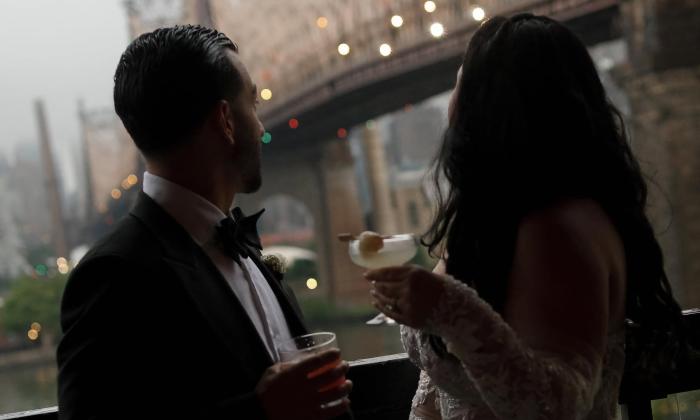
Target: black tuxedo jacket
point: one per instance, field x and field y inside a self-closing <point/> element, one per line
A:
<point x="152" y="329"/>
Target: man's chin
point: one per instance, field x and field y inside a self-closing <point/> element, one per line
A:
<point x="252" y="185"/>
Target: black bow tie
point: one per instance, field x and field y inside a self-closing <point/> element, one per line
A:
<point x="238" y="235"/>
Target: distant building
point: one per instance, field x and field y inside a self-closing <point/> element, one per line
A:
<point x="12" y="262"/>
<point x="110" y="157"/>
<point x="413" y="208"/>
<point x="29" y="200"/>
<point x="286" y="221"/>
<point x="415" y="136"/>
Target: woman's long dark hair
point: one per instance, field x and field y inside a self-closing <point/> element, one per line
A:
<point x="531" y="126"/>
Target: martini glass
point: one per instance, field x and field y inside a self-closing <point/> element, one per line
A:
<point x="397" y="250"/>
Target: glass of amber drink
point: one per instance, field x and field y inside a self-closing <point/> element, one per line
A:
<point x="307" y="345"/>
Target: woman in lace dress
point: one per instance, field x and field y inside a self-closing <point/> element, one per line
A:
<point x="546" y="248"/>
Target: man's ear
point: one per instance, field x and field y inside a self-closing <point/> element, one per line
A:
<point x="224" y="120"/>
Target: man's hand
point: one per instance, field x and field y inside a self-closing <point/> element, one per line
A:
<point x="286" y="391"/>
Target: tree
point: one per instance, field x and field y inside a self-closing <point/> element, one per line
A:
<point x="34" y="300"/>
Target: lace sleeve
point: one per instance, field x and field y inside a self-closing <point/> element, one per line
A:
<point x="515" y="381"/>
<point x="424" y="405"/>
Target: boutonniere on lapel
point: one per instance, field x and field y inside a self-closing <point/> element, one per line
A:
<point x="277" y="264"/>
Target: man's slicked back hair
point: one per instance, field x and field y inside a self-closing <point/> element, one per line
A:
<point x="168" y="80"/>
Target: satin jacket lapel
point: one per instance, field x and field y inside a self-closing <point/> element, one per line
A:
<point x="206" y="286"/>
<point x="289" y="305"/>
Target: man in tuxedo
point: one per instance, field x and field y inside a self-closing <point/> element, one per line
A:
<point x="173" y="315"/>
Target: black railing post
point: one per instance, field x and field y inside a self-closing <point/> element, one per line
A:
<point x="639" y="409"/>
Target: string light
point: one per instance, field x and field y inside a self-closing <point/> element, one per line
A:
<point x="132" y="179"/>
<point x="62" y="265"/>
<point x="385" y="50"/>
<point x="478" y="14"/>
<point x="396" y="21"/>
<point x="41" y="270"/>
<point x="116" y="194"/>
<point x="266" y="94"/>
<point x="293" y="123"/>
<point x="437" y="30"/>
<point x="322" y="22"/>
<point x="342" y="133"/>
<point x="343" y="49"/>
<point x="312" y="283"/>
<point x="429" y="6"/>
<point x="266" y="138"/>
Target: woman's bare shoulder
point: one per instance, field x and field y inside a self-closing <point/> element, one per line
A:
<point x="581" y="219"/>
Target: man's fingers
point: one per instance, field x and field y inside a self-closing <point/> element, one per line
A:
<point x="332" y="412"/>
<point x="330" y="376"/>
<point x="336" y="393"/>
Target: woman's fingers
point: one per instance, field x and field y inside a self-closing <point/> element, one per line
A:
<point x="398" y="317"/>
<point x="382" y="298"/>
<point x="388" y="274"/>
<point x="388" y="288"/>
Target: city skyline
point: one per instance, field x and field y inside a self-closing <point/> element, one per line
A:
<point x="76" y="63"/>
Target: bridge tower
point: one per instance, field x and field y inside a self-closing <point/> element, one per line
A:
<point x="662" y="81"/>
<point x="52" y="189"/>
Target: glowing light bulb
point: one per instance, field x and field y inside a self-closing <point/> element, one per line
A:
<point x="437" y="30"/>
<point x="33" y="334"/>
<point x="266" y="94"/>
<point x="429" y="6"/>
<point x="132" y="179"/>
<point x="478" y="14"/>
<point x="311" y="283"/>
<point x="396" y="21"/>
<point x="385" y="50"/>
<point x="322" y="22"/>
<point x="343" y="49"/>
<point x="116" y="194"/>
<point x="266" y="138"/>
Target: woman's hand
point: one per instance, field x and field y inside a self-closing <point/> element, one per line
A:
<point x="407" y="294"/>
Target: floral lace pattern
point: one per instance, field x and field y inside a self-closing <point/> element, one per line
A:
<point x="490" y="374"/>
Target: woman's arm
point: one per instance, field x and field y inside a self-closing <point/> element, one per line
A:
<point x="424" y="405"/>
<point x="544" y="360"/>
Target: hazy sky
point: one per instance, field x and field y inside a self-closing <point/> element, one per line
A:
<point x="60" y="51"/>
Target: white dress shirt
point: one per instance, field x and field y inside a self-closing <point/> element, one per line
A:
<point x="199" y="217"/>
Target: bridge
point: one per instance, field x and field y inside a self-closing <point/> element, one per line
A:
<point x="326" y="67"/>
<point x="310" y="79"/>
